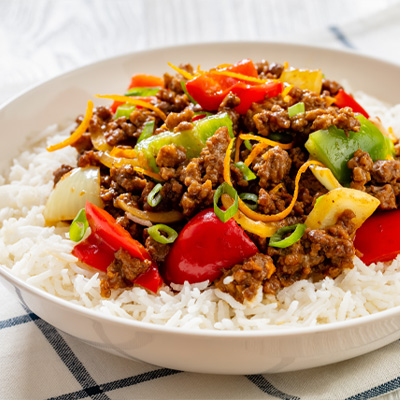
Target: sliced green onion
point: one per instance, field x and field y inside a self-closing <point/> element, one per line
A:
<point x="277" y="241"/>
<point x="155" y="232"/>
<point x="148" y="130"/>
<point x="248" y="174"/>
<point x="192" y="100"/>
<point x="248" y="145"/>
<point x="225" y="215"/>
<point x="280" y="137"/>
<point x="124" y="110"/>
<point x="78" y="226"/>
<point x="154" y="197"/>
<point x="142" y="91"/>
<point x="297" y="108"/>
<point x="250" y="197"/>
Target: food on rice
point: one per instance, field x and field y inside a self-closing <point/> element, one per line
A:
<point x="226" y="199"/>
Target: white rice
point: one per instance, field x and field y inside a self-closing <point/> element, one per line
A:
<point x="41" y="256"/>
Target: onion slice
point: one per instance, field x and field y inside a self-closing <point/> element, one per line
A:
<point x="162" y="217"/>
<point x="71" y="193"/>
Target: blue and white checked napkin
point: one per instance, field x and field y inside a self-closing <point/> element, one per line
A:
<point x="39" y="362"/>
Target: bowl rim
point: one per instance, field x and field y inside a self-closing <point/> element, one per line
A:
<point x="8" y="275"/>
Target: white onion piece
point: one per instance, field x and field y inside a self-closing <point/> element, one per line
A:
<point x="71" y="193"/>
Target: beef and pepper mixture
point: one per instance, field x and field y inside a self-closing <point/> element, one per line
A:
<point x="220" y="176"/>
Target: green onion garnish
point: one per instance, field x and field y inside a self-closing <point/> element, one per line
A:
<point x="296" y="109"/>
<point x="147" y="131"/>
<point x="192" y="100"/>
<point x="248" y="174"/>
<point x="142" y="91"/>
<point x="78" y="226"/>
<point x="225" y="215"/>
<point x="155" y="232"/>
<point x="154" y="197"/>
<point x="277" y="241"/>
<point x="248" y="145"/>
<point x="250" y="197"/>
<point x="124" y="110"/>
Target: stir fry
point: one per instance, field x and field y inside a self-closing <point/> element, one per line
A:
<point x="251" y="176"/>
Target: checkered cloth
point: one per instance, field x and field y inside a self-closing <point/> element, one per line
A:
<point x="39" y="362"/>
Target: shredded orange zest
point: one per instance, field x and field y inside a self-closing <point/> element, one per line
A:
<point x="286" y="90"/>
<point x="257" y="149"/>
<point x="224" y="66"/>
<point x="285" y="65"/>
<point x="237" y="149"/>
<point x="78" y="132"/>
<point x="162" y="217"/>
<point x="248" y="136"/>
<point x="276" y="188"/>
<point x="253" y="214"/>
<point x="181" y="71"/>
<point x="151" y="174"/>
<point x="125" y="153"/>
<point x="241" y="76"/>
<point x="136" y="102"/>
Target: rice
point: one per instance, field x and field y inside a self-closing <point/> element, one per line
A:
<point x="41" y="256"/>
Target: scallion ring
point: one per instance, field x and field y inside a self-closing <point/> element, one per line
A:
<point x="277" y="241"/>
<point x="78" y="226"/>
<point x="248" y="145"/>
<point x="154" y="197"/>
<point x="297" y="108"/>
<point x="250" y="197"/>
<point x="225" y="215"/>
<point x="147" y="131"/>
<point x="248" y="174"/>
<point x="155" y="232"/>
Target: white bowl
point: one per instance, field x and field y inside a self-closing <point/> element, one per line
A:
<point x="224" y="352"/>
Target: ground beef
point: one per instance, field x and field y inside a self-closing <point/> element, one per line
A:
<point x="128" y="178"/>
<point x="361" y="165"/>
<point x="60" y="172"/>
<point x="158" y="251"/>
<point x="174" y="119"/>
<point x="243" y="281"/>
<point x="385" y="194"/>
<point x="122" y="272"/>
<point x="319" y="253"/>
<point x="273" y="166"/>
<point x="171" y="156"/>
<point x="331" y="86"/>
<point x="203" y="174"/>
<point x="88" y="158"/>
<point x="385" y="171"/>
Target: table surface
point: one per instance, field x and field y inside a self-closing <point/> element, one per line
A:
<point x="43" y="38"/>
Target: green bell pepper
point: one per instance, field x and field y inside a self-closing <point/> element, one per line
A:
<point x="192" y="140"/>
<point x="334" y="149"/>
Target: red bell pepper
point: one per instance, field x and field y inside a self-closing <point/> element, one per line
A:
<point x="342" y="99"/>
<point x="210" y="89"/>
<point x="141" y="80"/>
<point x="378" y="237"/>
<point x="105" y="239"/>
<point x="204" y="247"/>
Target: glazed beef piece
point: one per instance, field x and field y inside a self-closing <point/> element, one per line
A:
<point x="243" y="281"/>
<point x="319" y="253"/>
<point x="60" y="172"/>
<point x="203" y="174"/>
<point x="380" y="178"/>
<point x="122" y="272"/>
